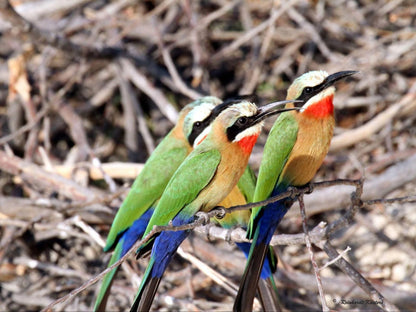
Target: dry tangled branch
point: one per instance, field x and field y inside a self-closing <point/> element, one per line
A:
<point x="325" y="232"/>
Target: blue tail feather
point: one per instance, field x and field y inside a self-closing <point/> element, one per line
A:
<point x="266" y="271"/>
<point x="264" y="226"/>
<point x="125" y="242"/>
<point x="135" y="231"/>
<point x="270" y="216"/>
<point x="164" y="247"/>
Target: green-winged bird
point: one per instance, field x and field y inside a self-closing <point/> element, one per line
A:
<point x="295" y="149"/>
<point x="202" y="181"/>
<point x="131" y="219"/>
<point x="242" y="194"/>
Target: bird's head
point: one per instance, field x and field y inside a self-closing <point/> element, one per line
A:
<point x="316" y="90"/>
<point x="202" y="113"/>
<point x="241" y="122"/>
<point x="196" y="117"/>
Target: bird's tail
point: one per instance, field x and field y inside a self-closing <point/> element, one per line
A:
<point x="248" y="285"/>
<point x="266" y="288"/>
<point x="147" y="290"/>
<point x="163" y="249"/>
<point x="268" y="295"/>
<point x="261" y="232"/>
<point x="102" y="297"/>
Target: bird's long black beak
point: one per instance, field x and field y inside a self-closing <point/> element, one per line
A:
<point x="274" y="109"/>
<point x="331" y="79"/>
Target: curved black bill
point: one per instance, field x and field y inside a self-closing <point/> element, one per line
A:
<point x="274" y="109"/>
<point x="331" y="79"/>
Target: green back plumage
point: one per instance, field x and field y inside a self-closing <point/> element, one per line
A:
<point x="280" y="142"/>
<point x="159" y="168"/>
<point x="188" y="181"/>
<point x="149" y="184"/>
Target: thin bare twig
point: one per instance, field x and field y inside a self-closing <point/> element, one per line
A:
<point x="182" y="87"/>
<point x="331" y="198"/>
<point x="252" y="33"/>
<point x="311" y="253"/>
<point x="141" y="82"/>
<point x="347" y="218"/>
<point x="293" y="192"/>
<point x="341" y="255"/>
<point x="7" y="138"/>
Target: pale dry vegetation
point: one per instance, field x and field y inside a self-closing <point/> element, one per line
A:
<point x="89" y="87"/>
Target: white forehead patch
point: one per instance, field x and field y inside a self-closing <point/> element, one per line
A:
<point x="313" y="78"/>
<point x="245" y="108"/>
<point x="200" y="112"/>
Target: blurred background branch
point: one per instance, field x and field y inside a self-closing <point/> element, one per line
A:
<point x="74" y="73"/>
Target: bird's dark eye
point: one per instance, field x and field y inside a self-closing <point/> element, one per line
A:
<point x="308" y="90"/>
<point x="197" y="124"/>
<point x="242" y="121"/>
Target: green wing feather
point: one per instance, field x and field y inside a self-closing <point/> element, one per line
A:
<point x="280" y="142"/>
<point x="102" y="296"/>
<point x="247" y="184"/>
<point x="149" y="185"/>
<point x="189" y="180"/>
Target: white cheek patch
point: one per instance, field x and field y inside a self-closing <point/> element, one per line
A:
<point x="253" y="130"/>
<point x="317" y="98"/>
<point x="202" y="136"/>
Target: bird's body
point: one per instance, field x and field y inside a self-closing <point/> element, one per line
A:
<point x="241" y="194"/>
<point x="136" y="210"/>
<point x="204" y="179"/>
<point x="295" y="149"/>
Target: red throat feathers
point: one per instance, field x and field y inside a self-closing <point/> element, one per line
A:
<point x="321" y="109"/>
<point x="247" y="143"/>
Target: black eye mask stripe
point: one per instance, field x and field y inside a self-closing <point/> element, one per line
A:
<point x="310" y="91"/>
<point x="199" y="126"/>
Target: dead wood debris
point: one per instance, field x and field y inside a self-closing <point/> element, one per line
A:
<point x="76" y="71"/>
